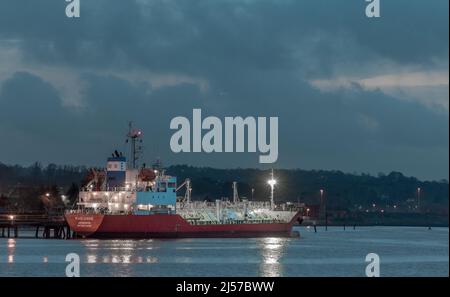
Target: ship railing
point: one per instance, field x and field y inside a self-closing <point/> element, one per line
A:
<point x="117" y="189"/>
<point x="83" y="211"/>
<point x="97" y="211"/>
<point x="224" y="203"/>
<point x="234" y="222"/>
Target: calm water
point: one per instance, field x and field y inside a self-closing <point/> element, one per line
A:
<point x="404" y="251"/>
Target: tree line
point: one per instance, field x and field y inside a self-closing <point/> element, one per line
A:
<point x="342" y="191"/>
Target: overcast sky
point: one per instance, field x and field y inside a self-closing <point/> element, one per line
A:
<point x="351" y="93"/>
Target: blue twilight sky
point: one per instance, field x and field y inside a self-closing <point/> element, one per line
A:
<point x="351" y="93"/>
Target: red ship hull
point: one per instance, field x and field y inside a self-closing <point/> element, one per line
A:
<point x="168" y="226"/>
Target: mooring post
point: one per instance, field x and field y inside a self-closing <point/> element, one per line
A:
<point x="16" y="231"/>
<point x="9" y="234"/>
<point x="37" y="231"/>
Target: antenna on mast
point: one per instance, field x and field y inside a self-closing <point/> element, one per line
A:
<point x="134" y="136"/>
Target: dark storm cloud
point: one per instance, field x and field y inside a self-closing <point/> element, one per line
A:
<point x="29" y="103"/>
<point x="256" y="58"/>
<point x="177" y="35"/>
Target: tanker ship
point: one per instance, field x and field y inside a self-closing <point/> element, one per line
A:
<point x="130" y="201"/>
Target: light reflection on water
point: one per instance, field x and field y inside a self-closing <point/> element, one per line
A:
<point x="91" y="258"/>
<point x="11" y="243"/>
<point x="405" y="251"/>
<point x="272" y="250"/>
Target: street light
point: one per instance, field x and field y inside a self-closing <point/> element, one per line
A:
<point x="418" y="197"/>
<point x="321" y="201"/>
<point x="325" y="208"/>
<point x="321" y="198"/>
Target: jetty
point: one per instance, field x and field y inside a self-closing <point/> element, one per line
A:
<point x="45" y="225"/>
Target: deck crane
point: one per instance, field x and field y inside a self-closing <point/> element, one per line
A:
<point x="187" y="194"/>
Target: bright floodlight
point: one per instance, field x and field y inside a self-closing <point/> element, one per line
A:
<point x="272" y="182"/>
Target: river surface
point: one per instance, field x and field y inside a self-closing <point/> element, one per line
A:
<point x="403" y="251"/>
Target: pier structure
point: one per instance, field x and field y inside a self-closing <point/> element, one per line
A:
<point x="44" y="225"/>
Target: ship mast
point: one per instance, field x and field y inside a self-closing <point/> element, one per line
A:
<point x="272" y="182"/>
<point x="134" y="136"/>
